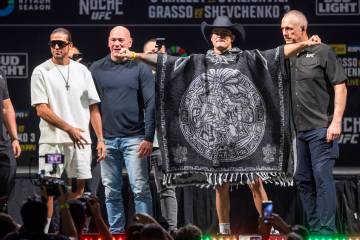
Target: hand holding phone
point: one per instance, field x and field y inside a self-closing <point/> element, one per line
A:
<point x="267" y="208"/>
<point x="159" y="42"/>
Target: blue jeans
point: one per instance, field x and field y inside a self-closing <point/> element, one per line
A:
<point x="124" y="151"/>
<point x="314" y="179"/>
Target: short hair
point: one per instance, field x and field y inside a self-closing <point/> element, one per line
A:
<point x="63" y="31"/>
<point x="34" y="214"/>
<point x="188" y="232"/>
<point x="133" y="231"/>
<point x="150" y="40"/>
<point x="301" y="18"/>
<point x="152" y="232"/>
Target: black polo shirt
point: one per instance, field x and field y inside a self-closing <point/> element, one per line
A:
<point x="314" y="72"/>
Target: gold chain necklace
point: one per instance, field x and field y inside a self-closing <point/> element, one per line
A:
<point x="67" y="86"/>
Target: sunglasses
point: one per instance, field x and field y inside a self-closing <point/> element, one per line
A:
<point x="59" y="43"/>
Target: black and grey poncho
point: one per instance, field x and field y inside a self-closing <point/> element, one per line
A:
<point x="224" y="118"/>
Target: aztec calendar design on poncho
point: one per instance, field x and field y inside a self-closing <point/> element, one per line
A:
<point x="222" y="115"/>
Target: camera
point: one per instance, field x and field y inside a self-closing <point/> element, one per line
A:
<point x="267" y="208"/>
<point x="159" y="42"/>
<point x="51" y="184"/>
<point x="85" y="199"/>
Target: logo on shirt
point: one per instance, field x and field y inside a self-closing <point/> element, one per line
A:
<point x="310" y="55"/>
<point x="15" y="65"/>
<point x="337" y="7"/>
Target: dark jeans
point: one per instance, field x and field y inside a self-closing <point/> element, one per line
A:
<point x="314" y="179"/>
<point x="167" y="195"/>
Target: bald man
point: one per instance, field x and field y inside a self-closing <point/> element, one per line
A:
<point x="318" y="99"/>
<point x="127" y="91"/>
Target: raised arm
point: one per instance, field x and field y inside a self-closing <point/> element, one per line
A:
<point x="99" y="221"/>
<point x="294" y="48"/>
<point x="148" y="58"/>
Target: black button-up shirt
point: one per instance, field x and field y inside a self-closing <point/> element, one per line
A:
<point x="314" y="72"/>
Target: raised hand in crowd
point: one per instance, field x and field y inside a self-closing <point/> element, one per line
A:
<point x="264" y="229"/>
<point x="67" y="224"/>
<point x="147" y="219"/>
<point x="95" y="210"/>
<point x="144" y="218"/>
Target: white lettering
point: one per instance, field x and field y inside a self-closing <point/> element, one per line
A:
<point x="349" y="139"/>
<point x="351" y="125"/>
<point x="13" y="70"/>
<point x="349" y="61"/>
<point x="242" y="11"/>
<point x="100" y="9"/>
<point x="338" y="7"/>
<point x="179" y="12"/>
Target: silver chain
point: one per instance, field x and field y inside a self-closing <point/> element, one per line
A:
<point x="67" y="86"/>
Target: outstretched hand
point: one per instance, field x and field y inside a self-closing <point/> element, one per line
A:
<point x="264" y="229"/>
<point x="94" y="207"/>
<point x="313" y="40"/>
<point x="144" y="218"/>
<point x="125" y="54"/>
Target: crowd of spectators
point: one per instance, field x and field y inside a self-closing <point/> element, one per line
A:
<point x="74" y="215"/>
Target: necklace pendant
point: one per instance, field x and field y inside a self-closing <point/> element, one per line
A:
<point x="67" y="86"/>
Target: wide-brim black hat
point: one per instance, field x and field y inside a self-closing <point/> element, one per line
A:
<point x="223" y="22"/>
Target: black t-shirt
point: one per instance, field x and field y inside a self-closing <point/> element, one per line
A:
<point x="4" y="94"/>
<point x="314" y="72"/>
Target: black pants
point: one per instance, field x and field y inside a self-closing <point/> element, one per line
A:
<point x="314" y="179"/>
<point x="7" y="176"/>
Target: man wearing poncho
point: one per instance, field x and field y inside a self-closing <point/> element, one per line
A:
<point x="222" y="117"/>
